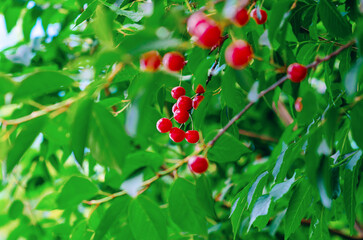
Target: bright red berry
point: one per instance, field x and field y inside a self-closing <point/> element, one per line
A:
<point x="181" y="116"/>
<point x="194" y="20"/>
<point x="198" y="164"/>
<point x="197" y="100"/>
<point x="150" y="61"/>
<point x="241" y="18"/>
<point x="238" y="54"/>
<point x="192" y="136"/>
<point x="164" y="125"/>
<point x="259" y="16"/>
<point x="200" y="89"/>
<point x="296" y="72"/>
<point x="298" y="104"/>
<point x="204" y="29"/>
<point x="176" y="134"/>
<point x="184" y="103"/>
<point x="174" y="108"/>
<point x="173" y="61"/>
<point x="177" y="92"/>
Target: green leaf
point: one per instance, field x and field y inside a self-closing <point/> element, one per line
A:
<point x="256" y="189"/>
<point x="226" y="148"/>
<point x="134" y="16"/>
<point x="80" y="232"/>
<point x="184" y="208"/>
<point x="137" y="160"/>
<point x="351" y="173"/>
<point x="230" y="94"/>
<point x="353" y="77"/>
<point x="108" y="141"/>
<point x="42" y="83"/>
<point x="118" y="208"/>
<point x="298" y="206"/>
<point x="319" y="225"/>
<point x="74" y="191"/>
<point x="356" y="123"/>
<point x="87" y="14"/>
<point x="23" y="141"/>
<point x="333" y="21"/>
<point x="80" y="128"/>
<point x="276" y="17"/>
<point x="48" y="202"/>
<point x="280" y="189"/>
<point x="11" y="15"/>
<point x="259" y="215"/>
<point x="204" y="196"/>
<point x="16" y="209"/>
<point x="6" y="84"/>
<point x="147" y="221"/>
<point x="103" y="25"/>
<point x="237" y="210"/>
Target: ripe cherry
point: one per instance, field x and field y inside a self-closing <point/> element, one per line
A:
<point x="197" y="100"/>
<point x="200" y="89"/>
<point x="198" y="164"/>
<point x="174" y="108"/>
<point x="204" y="29"/>
<point x="259" y="15"/>
<point x="296" y="72"/>
<point x="176" y="134"/>
<point x="192" y="136"/>
<point x="184" y="103"/>
<point x="238" y="54"/>
<point x="241" y="18"/>
<point x="177" y="92"/>
<point x="181" y="116"/>
<point x="164" y="125"/>
<point x="173" y="61"/>
<point x="150" y="61"/>
<point x="298" y="104"/>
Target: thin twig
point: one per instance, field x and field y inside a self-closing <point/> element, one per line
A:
<point x="272" y="87"/>
<point x="255" y="135"/>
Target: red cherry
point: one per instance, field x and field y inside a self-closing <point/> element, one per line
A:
<point x="260" y="17"/>
<point x="200" y="89"/>
<point x="173" y="61"/>
<point x="207" y="35"/>
<point x="238" y="54"/>
<point x="296" y="72"/>
<point x="164" y="125"/>
<point x="241" y="18"/>
<point x="198" y="164"/>
<point x="150" y="61"/>
<point x="176" y="134"/>
<point x="184" y="103"/>
<point x="181" y="116"/>
<point x="177" y="92"/>
<point x="194" y="20"/>
<point x="174" y="108"/>
<point x="298" y="104"/>
<point x="192" y="136"/>
<point x="197" y="100"/>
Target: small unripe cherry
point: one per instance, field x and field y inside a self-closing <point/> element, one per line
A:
<point x="298" y="104"/>
<point x="174" y="108"/>
<point x="181" y="116"/>
<point x="260" y="17"/>
<point x="177" y="92"/>
<point x="200" y="89"/>
<point x="192" y="136"/>
<point x="197" y="100"/>
<point x="296" y="72"/>
<point x="164" y="125"/>
<point x="173" y="61"/>
<point x="184" y="103"/>
<point x="238" y="54"/>
<point x="241" y="18"/>
<point x="176" y="134"/>
<point x="198" y="164"/>
<point x="150" y="61"/>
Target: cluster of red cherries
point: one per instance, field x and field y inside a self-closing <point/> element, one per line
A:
<point x="207" y="34"/>
<point x="181" y="111"/>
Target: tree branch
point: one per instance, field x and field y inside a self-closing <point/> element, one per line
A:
<point x="272" y="87"/>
